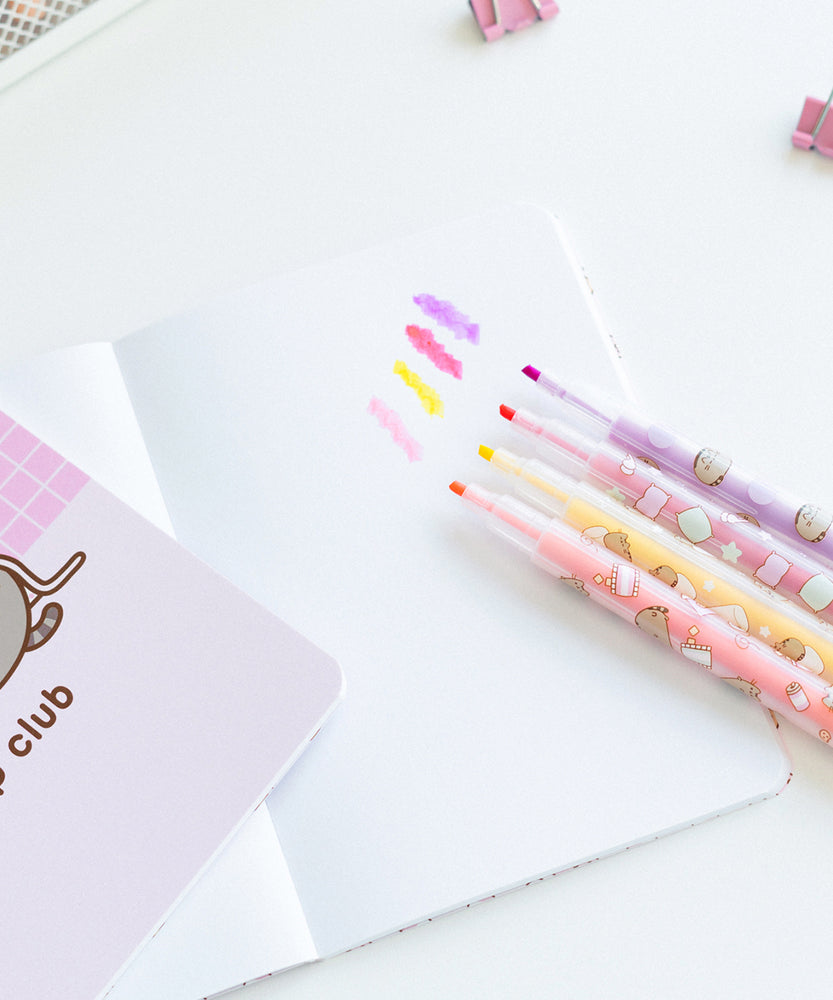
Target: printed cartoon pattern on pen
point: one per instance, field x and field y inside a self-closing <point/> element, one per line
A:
<point x="690" y="571"/>
<point x="732" y="538"/>
<point x="693" y="631"/>
<point x="678" y="622"/>
<point x="802" y="523"/>
<point x="772" y="627"/>
<point x="665" y="500"/>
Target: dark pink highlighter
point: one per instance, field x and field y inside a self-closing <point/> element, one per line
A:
<point x="638" y="483"/>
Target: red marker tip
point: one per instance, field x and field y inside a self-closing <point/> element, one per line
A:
<point x="457" y="487"/>
<point x="533" y="373"/>
<point x="506" y="411"/>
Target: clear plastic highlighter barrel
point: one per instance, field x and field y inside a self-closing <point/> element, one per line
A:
<point x="689" y="570"/>
<point x="803" y="523"/>
<point x="638" y="484"/>
<point x="686" y="628"/>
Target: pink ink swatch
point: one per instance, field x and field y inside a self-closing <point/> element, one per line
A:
<point x="392" y="422"/>
<point x="423" y="340"/>
<point x="449" y="316"/>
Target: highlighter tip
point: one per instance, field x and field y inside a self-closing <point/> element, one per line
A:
<point x="457" y="487"/>
<point x="533" y="373"/>
<point x="506" y="411"/>
<point x="485" y="452"/>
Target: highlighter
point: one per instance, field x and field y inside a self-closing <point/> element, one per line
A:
<point x="699" y="636"/>
<point x="639" y="484"/>
<point x="804" y="524"/>
<point x="691" y="572"/>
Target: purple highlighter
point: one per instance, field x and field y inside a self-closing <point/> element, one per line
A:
<point x="804" y="525"/>
<point x="685" y="513"/>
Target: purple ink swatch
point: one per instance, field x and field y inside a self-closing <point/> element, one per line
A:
<point x="449" y="316"/>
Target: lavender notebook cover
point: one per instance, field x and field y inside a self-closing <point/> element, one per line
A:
<point x="134" y="740"/>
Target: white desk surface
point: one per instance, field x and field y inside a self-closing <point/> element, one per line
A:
<point x="179" y="152"/>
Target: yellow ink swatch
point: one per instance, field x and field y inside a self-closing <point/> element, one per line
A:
<point x="428" y="397"/>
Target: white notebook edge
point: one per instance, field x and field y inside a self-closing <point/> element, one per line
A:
<point x="779" y="783"/>
<point x="585" y="285"/>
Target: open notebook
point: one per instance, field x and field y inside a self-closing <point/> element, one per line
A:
<point x="302" y="434"/>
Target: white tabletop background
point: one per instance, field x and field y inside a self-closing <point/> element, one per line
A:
<point x="195" y="145"/>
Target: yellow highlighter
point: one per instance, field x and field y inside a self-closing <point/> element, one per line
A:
<point x="750" y="607"/>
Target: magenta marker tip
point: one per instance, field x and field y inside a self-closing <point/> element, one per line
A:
<point x="532" y="373"/>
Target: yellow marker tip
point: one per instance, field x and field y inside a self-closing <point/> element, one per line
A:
<point x="484" y="452"/>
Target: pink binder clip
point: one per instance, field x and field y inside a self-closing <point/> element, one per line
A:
<point x="815" y="126"/>
<point x="496" y="17"/>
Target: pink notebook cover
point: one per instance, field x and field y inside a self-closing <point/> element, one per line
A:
<point x="146" y="707"/>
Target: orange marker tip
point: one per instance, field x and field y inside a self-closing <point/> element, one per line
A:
<point x="457" y="487"/>
<point x="506" y="411"/>
<point x="485" y="452"/>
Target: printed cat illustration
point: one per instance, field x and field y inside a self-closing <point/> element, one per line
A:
<point x="747" y="687"/>
<point x="20" y="591"/>
<point x="616" y="541"/>
<point x="812" y="522"/>
<point x="710" y="466"/>
<point x="654" y="621"/>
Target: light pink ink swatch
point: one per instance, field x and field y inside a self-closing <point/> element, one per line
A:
<point x="391" y="421"/>
<point x="424" y="342"/>
<point x="449" y="316"/>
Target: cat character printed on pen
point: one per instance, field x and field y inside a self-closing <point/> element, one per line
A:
<point x="747" y="687"/>
<point x="710" y="466"/>
<point x="616" y="541"/>
<point x="672" y="578"/>
<point x="799" y="652"/>
<point x="654" y="621"/>
<point x="812" y="522"/>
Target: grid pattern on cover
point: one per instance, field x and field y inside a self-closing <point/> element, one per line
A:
<point x="36" y="484"/>
<point x="22" y="21"/>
